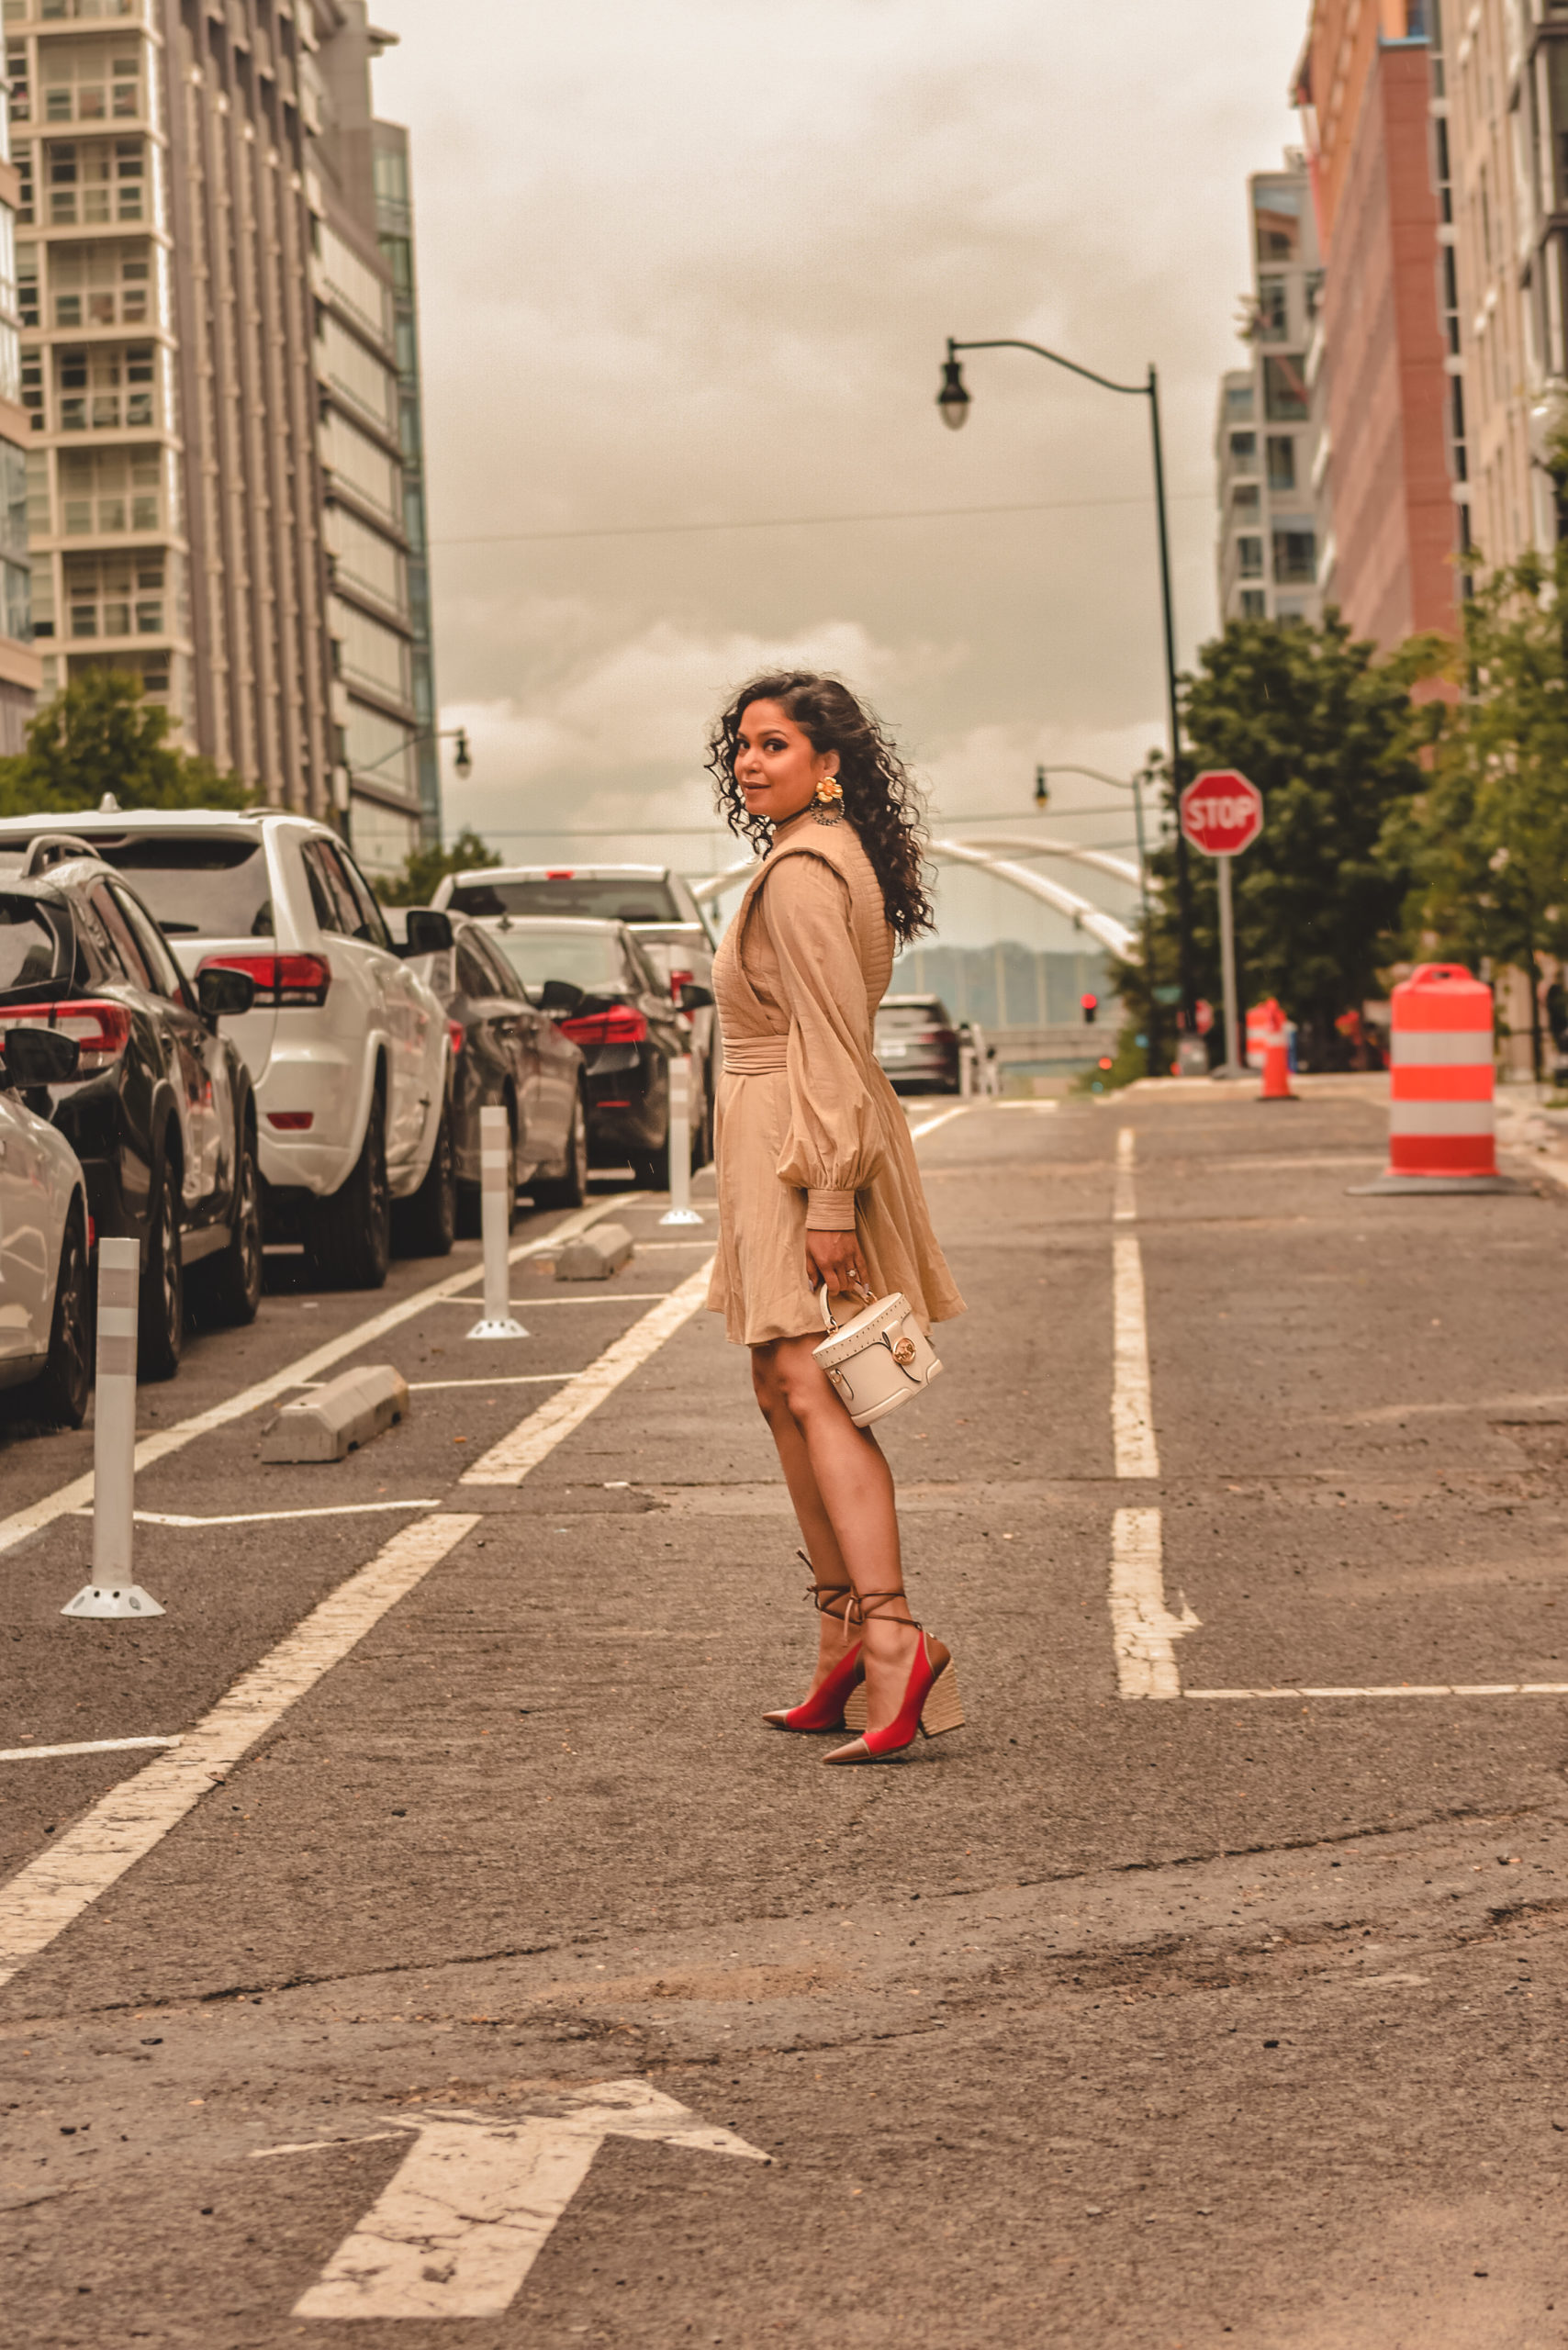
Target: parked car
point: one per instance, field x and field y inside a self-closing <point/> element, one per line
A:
<point x="346" y="1047"/>
<point x="45" y="1291"/>
<point x="506" y="1055"/>
<point x="159" y="1109"/>
<point x="917" y="1044"/>
<point x="657" y="907"/>
<point x="594" y="980"/>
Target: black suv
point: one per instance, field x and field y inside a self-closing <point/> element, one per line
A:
<point x="160" y="1113"/>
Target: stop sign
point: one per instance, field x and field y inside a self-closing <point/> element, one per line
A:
<point x="1221" y="813"/>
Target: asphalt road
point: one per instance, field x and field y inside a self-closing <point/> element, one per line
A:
<point x="1172" y="2002"/>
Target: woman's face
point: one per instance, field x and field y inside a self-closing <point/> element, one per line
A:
<point x="776" y="766"/>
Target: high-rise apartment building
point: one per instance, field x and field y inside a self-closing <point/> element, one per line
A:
<point x="19" y="670"/>
<point x="210" y="360"/>
<point x="1364" y="87"/>
<point x="1500" y="104"/>
<point x="1265" y="440"/>
<point x="395" y="226"/>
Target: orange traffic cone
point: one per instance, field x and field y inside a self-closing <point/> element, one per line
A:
<point x="1276" y="1056"/>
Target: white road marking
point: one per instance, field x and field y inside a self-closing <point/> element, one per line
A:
<point x="1404" y="1689"/>
<point x="1143" y="1630"/>
<point x="84" y="1746"/>
<point x="1124" y="1206"/>
<point x="929" y="1125"/>
<point x="702" y="1240"/>
<point x="508" y="1462"/>
<point x="52" y="1891"/>
<point x="66" y="1499"/>
<point x="269" y="1516"/>
<point x="460" y="2223"/>
<point x="1131" y="1408"/>
<point x="601" y="1296"/>
<point x="318" y="2146"/>
<point x="507" y="1378"/>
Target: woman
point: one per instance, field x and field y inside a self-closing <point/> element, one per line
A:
<point x="818" y="1186"/>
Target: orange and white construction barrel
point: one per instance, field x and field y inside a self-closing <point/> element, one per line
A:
<point x="1441" y="1081"/>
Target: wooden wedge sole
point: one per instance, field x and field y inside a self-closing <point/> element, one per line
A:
<point x="944" y="1708"/>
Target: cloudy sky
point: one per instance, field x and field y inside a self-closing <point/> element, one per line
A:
<point x="694" y="262"/>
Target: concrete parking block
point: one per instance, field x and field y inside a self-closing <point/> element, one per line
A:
<point x="346" y="1413"/>
<point x="593" y="1256"/>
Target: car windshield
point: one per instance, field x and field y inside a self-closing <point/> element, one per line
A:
<point x="198" y="885"/>
<point x="538" y="951"/>
<point x="621" y="897"/>
<point x="29" y="946"/>
<point x="929" y="1011"/>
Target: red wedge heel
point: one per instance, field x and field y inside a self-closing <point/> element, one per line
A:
<point x="931" y="1704"/>
<point x="823" y="1709"/>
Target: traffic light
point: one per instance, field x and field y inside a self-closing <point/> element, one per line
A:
<point x="1091" y="1006"/>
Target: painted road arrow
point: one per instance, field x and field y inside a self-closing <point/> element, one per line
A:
<point x="460" y="2223"/>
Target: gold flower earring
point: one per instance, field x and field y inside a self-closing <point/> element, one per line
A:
<point x="828" y="807"/>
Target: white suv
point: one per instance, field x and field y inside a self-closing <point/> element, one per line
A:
<point x="346" y="1045"/>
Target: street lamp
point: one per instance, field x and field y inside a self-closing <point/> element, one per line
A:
<point x="954" y="402"/>
<point x="462" y="761"/>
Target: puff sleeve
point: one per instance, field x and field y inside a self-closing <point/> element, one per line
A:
<point x="834" y="1145"/>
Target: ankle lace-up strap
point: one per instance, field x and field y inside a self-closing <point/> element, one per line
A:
<point x="855" y="1613"/>
<point x="821" y="1595"/>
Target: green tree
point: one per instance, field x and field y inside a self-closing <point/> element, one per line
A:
<point x="423" y="868"/>
<point x="1487" y="844"/>
<point x="1325" y="731"/>
<point x="100" y="734"/>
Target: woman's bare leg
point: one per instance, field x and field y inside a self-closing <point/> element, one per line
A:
<point x="811" y="1513"/>
<point x="842" y="1488"/>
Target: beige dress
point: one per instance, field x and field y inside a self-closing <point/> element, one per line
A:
<point x="809" y="1130"/>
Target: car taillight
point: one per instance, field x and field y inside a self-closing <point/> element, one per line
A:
<point x="622" y="1024"/>
<point x="102" y="1030"/>
<point x="287" y="982"/>
<point x="291" y="1122"/>
<point x="678" y="979"/>
<point x="454" y="1030"/>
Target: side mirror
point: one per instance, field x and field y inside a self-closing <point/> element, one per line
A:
<point x="37" y="1056"/>
<point x="221" y="993"/>
<point x="426" y="931"/>
<point x="694" y="998"/>
<point x="559" y="995"/>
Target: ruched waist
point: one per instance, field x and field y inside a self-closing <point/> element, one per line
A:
<point x="756" y="1056"/>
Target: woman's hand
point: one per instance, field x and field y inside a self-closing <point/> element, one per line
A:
<point x="834" y="1258"/>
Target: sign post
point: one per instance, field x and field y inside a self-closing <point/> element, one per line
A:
<point x="1221" y="813"/>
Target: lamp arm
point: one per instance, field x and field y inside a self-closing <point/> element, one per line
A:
<point x="1013" y="343"/>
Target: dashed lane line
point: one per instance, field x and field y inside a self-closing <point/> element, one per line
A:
<point x="52" y="1891"/>
<point x="929" y="1125"/>
<point x="66" y="1499"/>
<point x="269" y="1516"/>
<point x="1132" y="1407"/>
<point x="1124" y="1208"/>
<point x="83" y="1746"/>
<point x="1144" y="1632"/>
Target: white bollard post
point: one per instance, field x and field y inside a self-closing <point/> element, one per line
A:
<point x="114" y="1590"/>
<point x="680" y="1209"/>
<point x="496" y="1322"/>
<point x="966" y="1071"/>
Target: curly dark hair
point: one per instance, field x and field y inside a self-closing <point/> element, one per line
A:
<point x="880" y="798"/>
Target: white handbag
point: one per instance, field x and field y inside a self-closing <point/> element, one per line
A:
<point x="878" y="1360"/>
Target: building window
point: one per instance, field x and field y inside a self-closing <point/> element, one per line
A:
<point x="105" y="492"/>
<point x="27" y="285"/>
<point x="1246" y="501"/>
<point x="1281" y="461"/>
<point x="1276" y="215"/>
<point x="1295" y="558"/>
<point x="1284" y="390"/>
<point x="115" y="595"/>
<point x="90" y="82"/>
<point x="16" y="74"/>
<point x="32" y="388"/>
<point x="1274" y="309"/>
<point x="1249" y="557"/>
<point x="106" y="389"/>
<point x="93" y="182"/>
<point x="101" y="285"/>
<point x="1312" y="290"/>
<point x="25" y="194"/>
<point x="1254" y="604"/>
<point x="1238" y="399"/>
<point x="1244" y="448"/>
